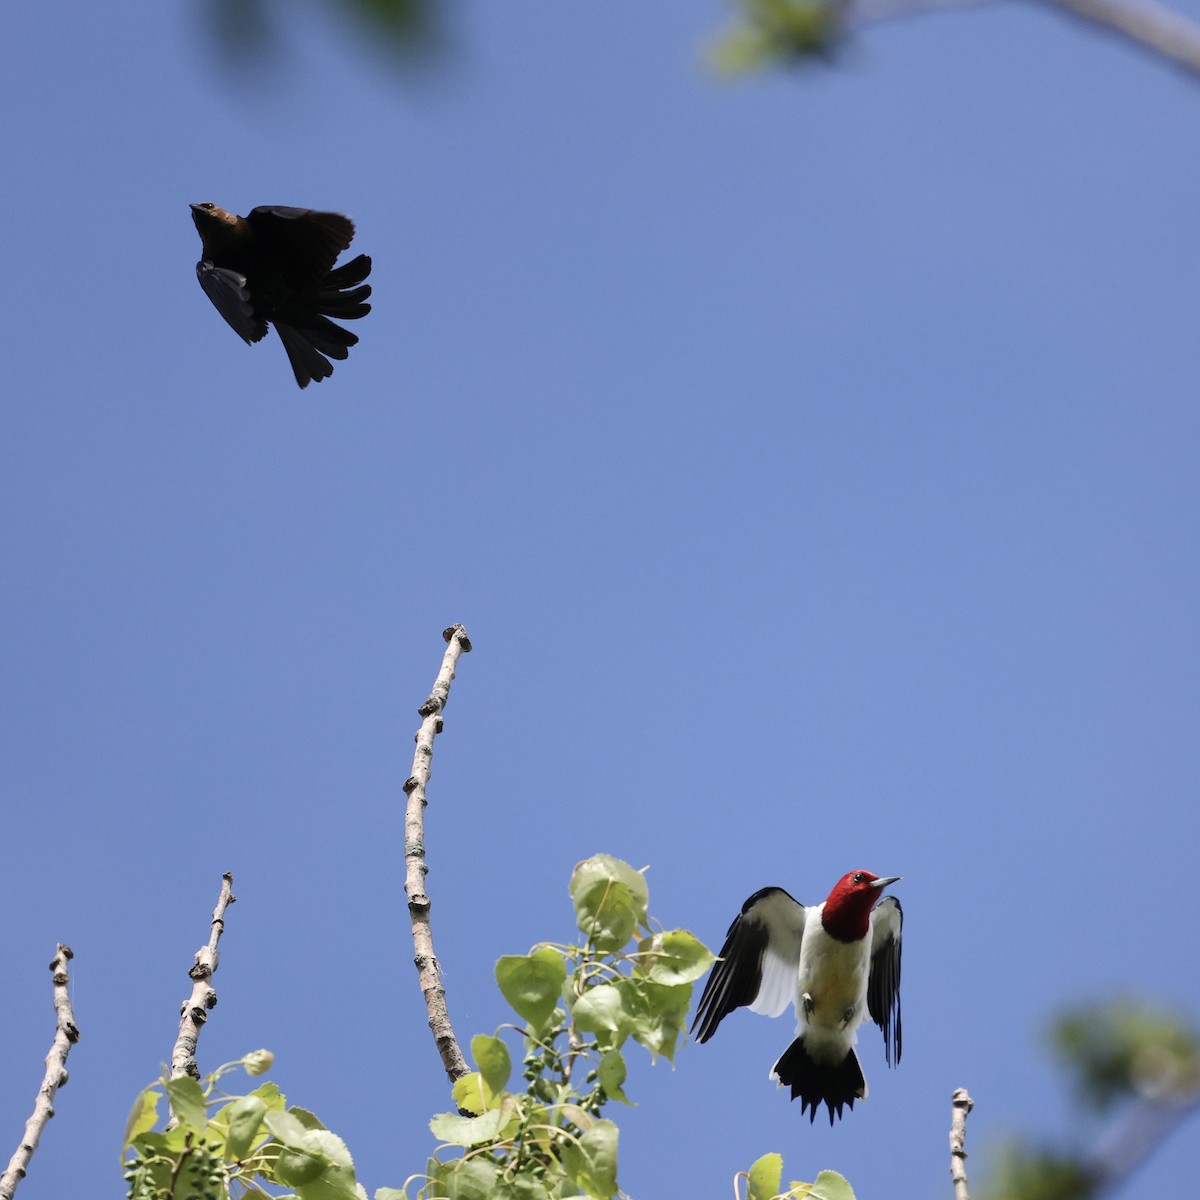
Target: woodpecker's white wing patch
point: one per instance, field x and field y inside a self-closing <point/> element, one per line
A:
<point x="784" y="920"/>
<point x="759" y="962"/>
<point x="883" y="988"/>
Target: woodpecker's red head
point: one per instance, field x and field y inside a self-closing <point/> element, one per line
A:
<point x="847" y="912"/>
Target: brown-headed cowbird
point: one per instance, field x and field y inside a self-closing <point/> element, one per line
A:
<point x="276" y="265"/>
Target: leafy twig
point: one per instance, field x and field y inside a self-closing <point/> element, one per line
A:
<point x="195" y="1008"/>
<point x="962" y="1104"/>
<point x="66" y="1034"/>
<point x="415" y="868"/>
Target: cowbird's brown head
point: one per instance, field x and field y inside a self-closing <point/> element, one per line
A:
<point x="209" y="216"/>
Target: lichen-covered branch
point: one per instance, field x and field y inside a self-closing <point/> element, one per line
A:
<point x="66" y="1034"/>
<point x="961" y="1104"/>
<point x="195" y="1008"/>
<point x="415" y="868"/>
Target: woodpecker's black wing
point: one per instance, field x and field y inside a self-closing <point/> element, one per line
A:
<point x="883" y="988"/>
<point x="759" y="962"/>
<point x="230" y="295"/>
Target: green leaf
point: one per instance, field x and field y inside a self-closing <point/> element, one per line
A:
<point x="336" y="1180"/>
<point x="386" y="1193"/>
<point x="271" y="1096"/>
<point x="436" y="1173"/>
<point x="472" y="1093"/>
<point x="167" y="1144"/>
<point x="612" y="1075"/>
<point x="599" y="1008"/>
<point x="532" y="983"/>
<point x="657" y="1013"/>
<point x="610" y="900"/>
<point x="143" y="1116"/>
<point x="524" y="1187"/>
<point x="591" y="1160"/>
<point x="313" y="1161"/>
<point x="470" y="1131"/>
<point x="579" y="1117"/>
<point x="675" y="957"/>
<point x="493" y="1060"/>
<point x="766" y="1177"/>
<point x="245" y="1117"/>
<point x="829" y="1185"/>
<point x="286" y="1128"/>
<point x="187" y="1102"/>
<point x="308" y="1119"/>
<point x="297" y="1165"/>
<point x="471" y="1179"/>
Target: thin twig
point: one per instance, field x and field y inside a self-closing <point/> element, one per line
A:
<point x="429" y="973"/>
<point x="1149" y="24"/>
<point x="1134" y="1137"/>
<point x="66" y="1034"/>
<point x="1152" y="25"/>
<point x="962" y="1104"/>
<point x="194" y="1011"/>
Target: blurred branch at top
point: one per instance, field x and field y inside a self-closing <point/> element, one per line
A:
<point x="403" y="32"/>
<point x="1135" y="1063"/>
<point x="793" y="32"/>
<point x="765" y="33"/>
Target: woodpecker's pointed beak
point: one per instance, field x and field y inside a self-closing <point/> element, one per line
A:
<point x="882" y="883"/>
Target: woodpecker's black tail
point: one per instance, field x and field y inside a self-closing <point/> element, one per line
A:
<point x="815" y="1083"/>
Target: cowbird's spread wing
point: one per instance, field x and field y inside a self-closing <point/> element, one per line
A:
<point x="276" y="267"/>
<point x="300" y="243"/>
<point x="231" y="297"/>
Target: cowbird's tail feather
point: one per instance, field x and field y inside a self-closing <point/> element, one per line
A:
<point x="349" y="273"/>
<point x="338" y="295"/>
<point x="309" y="336"/>
<point x="307" y="362"/>
<point x="329" y="338"/>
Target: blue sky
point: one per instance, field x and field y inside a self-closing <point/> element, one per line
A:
<point x="813" y="464"/>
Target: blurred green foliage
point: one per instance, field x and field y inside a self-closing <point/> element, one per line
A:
<point x="246" y="31"/>
<point x="1021" y="1173"/>
<point x="778" y="32"/>
<point x="1126" y="1050"/>
<point x="1133" y="1060"/>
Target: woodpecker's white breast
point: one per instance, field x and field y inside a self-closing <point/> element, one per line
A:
<point x="834" y="976"/>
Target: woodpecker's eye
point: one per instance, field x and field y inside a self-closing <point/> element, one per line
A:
<point x="859" y="877"/>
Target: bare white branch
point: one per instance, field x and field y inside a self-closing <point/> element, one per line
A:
<point x="415" y="868"/>
<point x="961" y="1105"/>
<point x="66" y="1034"/>
<point x="194" y="1011"/>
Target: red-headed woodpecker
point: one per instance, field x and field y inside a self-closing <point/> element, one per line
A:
<point x="837" y="962"/>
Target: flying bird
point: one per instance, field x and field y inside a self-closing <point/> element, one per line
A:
<point x="836" y="962"/>
<point x="276" y="266"/>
